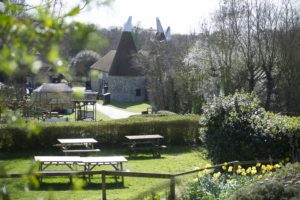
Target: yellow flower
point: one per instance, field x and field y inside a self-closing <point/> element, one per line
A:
<point x="224" y="167"/>
<point x="263" y="167"/>
<point x="195" y="180"/>
<point x="216" y="175"/>
<point x="239" y="171"/>
<point x="258" y="164"/>
<point x="207" y="165"/>
<point x="244" y="174"/>
<point x="277" y="166"/>
<point x="248" y="170"/>
<point x="225" y="164"/>
<point x="230" y="169"/>
<point x="253" y="171"/>
<point x="269" y="167"/>
<point x="239" y="167"/>
<point x="203" y="172"/>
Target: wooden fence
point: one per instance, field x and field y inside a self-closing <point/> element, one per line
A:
<point x="105" y="173"/>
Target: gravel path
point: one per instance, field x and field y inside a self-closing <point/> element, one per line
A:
<point x="114" y="113"/>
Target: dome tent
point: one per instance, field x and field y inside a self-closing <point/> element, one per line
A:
<point x="53" y="96"/>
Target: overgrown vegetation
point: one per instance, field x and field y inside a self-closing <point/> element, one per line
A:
<point x="260" y="181"/>
<point x="283" y="185"/>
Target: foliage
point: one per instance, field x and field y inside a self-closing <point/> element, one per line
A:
<point x="81" y="63"/>
<point x="82" y="37"/>
<point x="236" y="127"/>
<point x="283" y="185"/>
<point x="221" y="185"/>
<point x="175" y="129"/>
<point x="252" y="46"/>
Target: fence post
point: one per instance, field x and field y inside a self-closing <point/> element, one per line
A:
<point x="103" y="186"/>
<point x="172" y="188"/>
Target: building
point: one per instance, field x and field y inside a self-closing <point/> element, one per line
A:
<point x="119" y="70"/>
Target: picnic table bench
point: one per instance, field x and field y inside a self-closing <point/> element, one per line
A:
<point x="83" y="145"/>
<point x="145" y="143"/>
<point x="73" y="162"/>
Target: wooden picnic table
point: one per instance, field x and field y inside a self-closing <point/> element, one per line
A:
<point x="86" y="145"/>
<point x="72" y="162"/>
<point x="116" y="161"/>
<point x="145" y="143"/>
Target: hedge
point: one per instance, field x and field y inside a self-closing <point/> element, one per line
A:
<point x="176" y="129"/>
<point x="236" y="127"/>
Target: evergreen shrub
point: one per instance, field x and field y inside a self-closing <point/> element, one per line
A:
<point x="236" y="127"/>
<point x="176" y="129"/>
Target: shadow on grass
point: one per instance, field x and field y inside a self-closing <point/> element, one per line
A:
<point x="68" y="186"/>
<point x="144" y="157"/>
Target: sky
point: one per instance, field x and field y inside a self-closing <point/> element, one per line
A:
<point x="183" y="16"/>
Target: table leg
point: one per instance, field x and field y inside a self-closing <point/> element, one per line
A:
<point x="122" y="177"/>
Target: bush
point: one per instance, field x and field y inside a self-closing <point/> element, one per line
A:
<point x="176" y="129"/>
<point x="283" y="185"/>
<point x="236" y="127"/>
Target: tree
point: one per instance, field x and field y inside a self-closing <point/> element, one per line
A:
<point x="80" y="64"/>
<point x="82" y="37"/>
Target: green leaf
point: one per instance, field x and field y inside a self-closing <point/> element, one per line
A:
<point x="73" y="12"/>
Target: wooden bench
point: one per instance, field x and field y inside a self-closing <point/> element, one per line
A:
<point x="66" y="151"/>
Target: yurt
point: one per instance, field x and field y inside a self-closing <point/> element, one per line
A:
<point x="53" y="97"/>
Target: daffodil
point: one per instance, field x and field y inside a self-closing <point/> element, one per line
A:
<point x="216" y="175"/>
<point x="239" y="171"/>
<point x="244" y="174"/>
<point x="269" y="167"/>
<point x="230" y="169"/>
<point x="248" y="171"/>
<point x="253" y="171"/>
<point x="258" y="164"/>
<point x="277" y="166"/>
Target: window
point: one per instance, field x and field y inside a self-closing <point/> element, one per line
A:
<point x="138" y="92"/>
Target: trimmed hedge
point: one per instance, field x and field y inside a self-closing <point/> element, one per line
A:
<point x="236" y="127"/>
<point x="176" y="129"/>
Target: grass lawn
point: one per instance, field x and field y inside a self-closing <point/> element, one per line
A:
<point x="174" y="159"/>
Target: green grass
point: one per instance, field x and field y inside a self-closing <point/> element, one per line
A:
<point x="175" y="159"/>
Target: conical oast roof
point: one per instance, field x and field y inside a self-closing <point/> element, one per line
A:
<point x="160" y="35"/>
<point x="123" y="63"/>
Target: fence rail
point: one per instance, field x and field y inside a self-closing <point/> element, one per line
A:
<point x="105" y="173"/>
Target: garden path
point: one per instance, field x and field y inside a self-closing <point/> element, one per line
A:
<point x="114" y="113"/>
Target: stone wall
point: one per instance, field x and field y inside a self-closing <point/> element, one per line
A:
<point x="97" y="81"/>
<point x="127" y="88"/>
